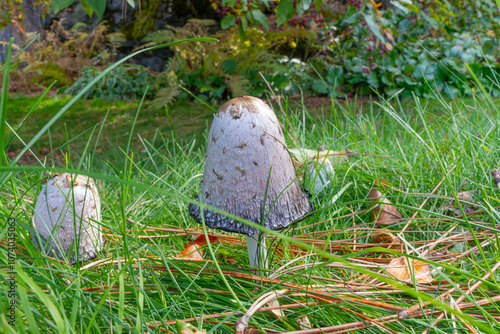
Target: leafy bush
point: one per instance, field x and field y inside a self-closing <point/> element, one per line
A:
<point x="416" y="48"/>
<point x="125" y="82"/>
<point x="390" y="50"/>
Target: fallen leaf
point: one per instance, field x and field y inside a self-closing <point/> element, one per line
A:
<point x="462" y="196"/>
<point x="304" y="322"/>
<point x="420" y="270"/>
<point x="386" y="237"/>
<point x="193" y="251"/>
<point x="335" y="157"/>
<point x="450" y="207"/>
<point x="186" y="328"/>
<point x="465" y="196"/>
<point x="383" y="210"/>
<point x="383" y="236"/>
<point x="388" y="46"/>
<point x="277" y="313"/>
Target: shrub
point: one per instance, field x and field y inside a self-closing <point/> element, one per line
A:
<point x="125" y="82"/>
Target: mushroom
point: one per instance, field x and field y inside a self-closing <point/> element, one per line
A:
<point x="249" y="173"/>
<point x="318" y="175"/>
<point x="66" y="217"/>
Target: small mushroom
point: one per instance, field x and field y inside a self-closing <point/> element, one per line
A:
<point x="319" y="175"/>
<point x="249" y="173"/>
<point x="66" y="217"/>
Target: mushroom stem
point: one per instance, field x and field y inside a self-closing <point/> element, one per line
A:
<point x="257" y="253"/>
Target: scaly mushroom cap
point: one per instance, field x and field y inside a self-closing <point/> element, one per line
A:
<point x="244" y="143"/>
<point x="69" y="203"/>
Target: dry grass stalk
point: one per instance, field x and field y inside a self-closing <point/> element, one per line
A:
<point x="463" y="296"/>
<point x="425" y="201"/>
<point x="266" y="298"/>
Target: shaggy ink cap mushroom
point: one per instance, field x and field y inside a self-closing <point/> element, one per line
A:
<point x="246" y="149"/>
<point x="66" y="217"/>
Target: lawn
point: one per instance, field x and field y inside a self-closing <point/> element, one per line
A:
<point x="333" y="272"/>
<point x="82" y="122"/>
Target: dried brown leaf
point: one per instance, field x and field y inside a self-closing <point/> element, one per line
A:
<point x="383" y="236"/>
<point x="191" y="252"/>
<point x="450" y="207"/>
<point x="383" y="210"/>
<point x="304" y="322"/>
<point x="387" y="239"/>
<point x="466" y="196"/>
<point x="400" y="269"/>
<point x="496" y="177"/>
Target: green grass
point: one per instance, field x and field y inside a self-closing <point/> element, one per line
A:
<point x="149" y="184"/>
<point x="190" y="120"/>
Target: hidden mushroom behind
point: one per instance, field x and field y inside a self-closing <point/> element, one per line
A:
<point x="249" y="173"/>
<point x="67" y="216"/>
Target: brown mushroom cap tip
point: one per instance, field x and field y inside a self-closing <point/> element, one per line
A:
<point x="245" y="149"/>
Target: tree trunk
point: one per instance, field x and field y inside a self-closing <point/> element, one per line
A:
<point x="32" y="16"/>
<point x="32" y="22"/>
<point x="5" y="35"/>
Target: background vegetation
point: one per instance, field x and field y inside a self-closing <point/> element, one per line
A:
<point x="318" y="48"/>
<point x="426" y="134"/>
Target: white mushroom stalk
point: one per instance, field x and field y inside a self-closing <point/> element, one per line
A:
<point x="257" y="252"/>
<point x="248" y="170"/>
<point x="67" y="216"/>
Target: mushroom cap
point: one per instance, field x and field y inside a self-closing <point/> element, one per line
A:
<point x="246" y="149"/>
<point x="67" y="207"/>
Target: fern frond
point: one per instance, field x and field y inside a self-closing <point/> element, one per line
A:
<point x="164" y="96"/>
<point x="116" y="39"/>
<point x="160" y="37"/>
<point x="238" y="84"/>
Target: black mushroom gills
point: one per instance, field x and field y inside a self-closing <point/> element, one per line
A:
<point x="246" y="149"/>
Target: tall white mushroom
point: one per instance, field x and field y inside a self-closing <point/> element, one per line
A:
<point x="67" y="216"/>
<point x="249" y="173"/>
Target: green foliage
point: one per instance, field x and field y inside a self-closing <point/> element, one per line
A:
<point x="8" y="11"/>
<point x="145" y="20"/>
<point x="44" y="75"/>
<point x="52" y="58"/>
<point x="390" y="50"/>
<point x="414" y="47"/>
<point x="125" y="82"/>
<point x="245" y="14"/>
<point x="94" y="6"/>
<point x="285" y="11"/>
<point x="90" y="6"/>
<point x="169" y="90"/>
<point x="58" y="5"/>
<point x="217" y="71"/>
